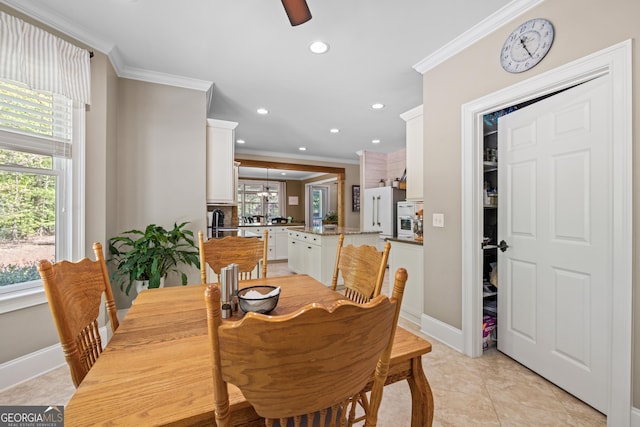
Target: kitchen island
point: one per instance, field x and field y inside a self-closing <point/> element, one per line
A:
<point x="278" y="233"/>
<point x="312" y="250"/>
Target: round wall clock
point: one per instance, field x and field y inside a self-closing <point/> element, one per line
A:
<point x="527" y="45"/>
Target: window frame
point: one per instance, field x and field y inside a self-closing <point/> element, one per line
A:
<point x="69" y="225"/>
<point x="280" y="185"/>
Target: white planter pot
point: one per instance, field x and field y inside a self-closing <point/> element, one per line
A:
<point x="141" y="285"/>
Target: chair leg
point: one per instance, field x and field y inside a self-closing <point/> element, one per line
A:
<point x="359" y="400"/>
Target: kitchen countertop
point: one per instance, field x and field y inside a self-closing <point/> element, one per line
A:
<point x="409" y="241"/>
<point x="292" y="224"/>
<point x="332" y="231"/>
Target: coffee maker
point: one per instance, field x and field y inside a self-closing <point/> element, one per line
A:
<point x="216" y="222"/>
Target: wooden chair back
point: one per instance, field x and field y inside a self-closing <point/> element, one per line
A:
<point x="362" y="268"/>
<point x="247" y="252"/>
<point x="74" y="291"/>
<point x="305" y="365"/>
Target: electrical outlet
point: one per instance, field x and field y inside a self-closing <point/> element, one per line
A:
<point x="438" y="220"/>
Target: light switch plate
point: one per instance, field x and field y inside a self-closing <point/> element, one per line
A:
<point x="438" y="220"/>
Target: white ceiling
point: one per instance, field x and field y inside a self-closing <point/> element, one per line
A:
<point x="254" y="58"/>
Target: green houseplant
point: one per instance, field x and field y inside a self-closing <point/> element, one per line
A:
<point x="151" y="254"/>
<point x="330" y="218"/>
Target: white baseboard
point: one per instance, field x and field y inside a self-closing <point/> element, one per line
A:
<point x="443" y="332"/>
<point x="30" y="366"/>
<point x="34" y="364"/>
<point x="635" y="417"/>
<point x="411" y="316"/>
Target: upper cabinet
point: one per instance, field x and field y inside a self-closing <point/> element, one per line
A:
<point x="221" y="171"/>
<point x="415" y="143"/>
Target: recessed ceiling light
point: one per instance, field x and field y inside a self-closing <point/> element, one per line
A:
<point x="377" y="106"/>
<point x="283" y="173"/>
<point x="375" y="141"/>
<point x="319" y="47"/>
<point x="302" y="148"/>
<point x="334" y="130"/>
<point x="262" y="111"/>
<point x="240" y="141"/>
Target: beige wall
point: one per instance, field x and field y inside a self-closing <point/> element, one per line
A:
<point x="161" y="160"/>
<point x="295" y="188"/>
<point x="582" y="27"/>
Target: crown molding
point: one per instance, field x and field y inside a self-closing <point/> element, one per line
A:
<point x="163" y="78"/>
<point x="36" y="11"/>
<point x="224" y="124"/>
<point x="295" y="156"/>
<point x="485" y="27"/>
<point x="412" y="114"/>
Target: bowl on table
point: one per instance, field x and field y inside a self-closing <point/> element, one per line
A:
<point x="258" y="299"/>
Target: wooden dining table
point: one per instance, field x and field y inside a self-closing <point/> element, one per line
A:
<point x="156" y="369"/>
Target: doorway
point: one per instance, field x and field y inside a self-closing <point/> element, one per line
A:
<point x="339" y="177"/>
<point x="318" y="203"/>
<point x="616" y="63"/>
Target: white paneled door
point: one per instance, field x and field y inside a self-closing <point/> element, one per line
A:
<point x="555" y="218"/>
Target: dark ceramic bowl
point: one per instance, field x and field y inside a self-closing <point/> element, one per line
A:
<point x="257" y="299"/>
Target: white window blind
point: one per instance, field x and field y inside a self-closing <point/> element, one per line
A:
<point x="38" y="122"/>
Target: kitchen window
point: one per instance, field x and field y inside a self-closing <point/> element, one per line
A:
<point x="260" y="198"/>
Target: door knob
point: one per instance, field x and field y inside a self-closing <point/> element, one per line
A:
<point x="503" y="245"/>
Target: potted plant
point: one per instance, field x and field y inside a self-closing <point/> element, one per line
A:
<point x="150" y="254"/>
<point x="330" y="218"/>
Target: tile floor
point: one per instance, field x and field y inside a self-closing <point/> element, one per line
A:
<point x="492" y="390"/>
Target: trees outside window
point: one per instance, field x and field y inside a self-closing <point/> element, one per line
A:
<point x="257" y="198"/>
<point x="35" y="176"/>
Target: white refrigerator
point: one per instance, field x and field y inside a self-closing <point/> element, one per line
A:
<point x="380" y="210"/>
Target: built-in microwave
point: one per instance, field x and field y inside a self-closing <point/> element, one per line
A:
<point x="406" y="213"/>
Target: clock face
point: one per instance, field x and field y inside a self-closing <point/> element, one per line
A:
<point x="527" y="45"/>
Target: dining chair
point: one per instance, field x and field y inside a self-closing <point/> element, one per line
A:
<point x="362" y="269"/>
<point x="247" y="252"/>
<point x="287" y="366"/>
<point x="74" y="291"/>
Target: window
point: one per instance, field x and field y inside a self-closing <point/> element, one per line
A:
<point x="262" y="198"/>
<point x="36" y="171"/>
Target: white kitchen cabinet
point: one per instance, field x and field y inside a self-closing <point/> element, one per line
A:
<point x="222" y="172"/>
<point x="281" y="237"/>
<point x="295" y="257"/>
<point x="277" y="246"/>
<point x="414" y="141"/>
<point x="408" y="255"/>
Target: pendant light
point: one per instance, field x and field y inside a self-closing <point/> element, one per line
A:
<point x="297" y="11"/>
<point x="266" y="193"/>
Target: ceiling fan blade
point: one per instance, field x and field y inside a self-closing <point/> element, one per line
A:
<point x="297" y="11"/>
